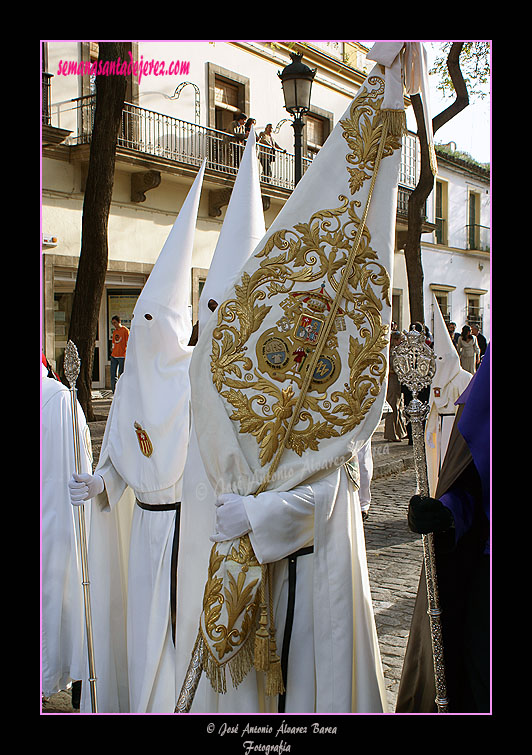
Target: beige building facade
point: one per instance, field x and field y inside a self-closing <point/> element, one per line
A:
<point x="181" y="98"/>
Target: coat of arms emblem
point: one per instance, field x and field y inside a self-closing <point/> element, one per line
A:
<point x="283" y="351"/>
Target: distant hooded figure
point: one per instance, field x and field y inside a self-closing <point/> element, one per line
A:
<point x="449" y="382"/>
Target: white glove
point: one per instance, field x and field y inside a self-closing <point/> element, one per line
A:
<point x="231" y="518"/>
<point x="84" y="486"/>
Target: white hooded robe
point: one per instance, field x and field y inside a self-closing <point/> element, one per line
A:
<point x="242" y="230"/>
<point x="63" y="618"/>
<point x="448" y="383"/>
<point x="143" y="453"/>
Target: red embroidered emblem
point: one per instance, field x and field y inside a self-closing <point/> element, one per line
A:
<point x="144" y="440"/>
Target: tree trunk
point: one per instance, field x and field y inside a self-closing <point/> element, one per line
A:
<point x="418" y="198"/>
<point x="110" y="94"/>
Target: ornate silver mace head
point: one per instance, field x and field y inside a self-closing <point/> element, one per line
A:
<point x="414" y="362"/>
<point x="71" y="364"/>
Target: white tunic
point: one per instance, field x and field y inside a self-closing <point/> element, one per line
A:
<point x="334" y="662"/>
<point x="63" y="619"/>
<point x="146" y="561"/>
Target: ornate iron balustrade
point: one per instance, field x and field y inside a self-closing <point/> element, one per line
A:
<point x="165" y="136"/>
<point x="160" y="135"/>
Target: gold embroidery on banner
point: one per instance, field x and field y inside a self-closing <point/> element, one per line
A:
<point x="248" y="370"/>
<point x="229" y="601"/>
<point x="259" y="372"/>
<point x="362" y="131"/>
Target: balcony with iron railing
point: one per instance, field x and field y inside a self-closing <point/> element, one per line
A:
<point x="46" y="89"/>
<point x="478" y="237"/>
<point x="163" y="136"/>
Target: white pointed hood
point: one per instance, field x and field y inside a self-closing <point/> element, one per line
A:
<point x="242" y="229"/>
<point x="147" y="439"/>
<point x="447" y="360"/>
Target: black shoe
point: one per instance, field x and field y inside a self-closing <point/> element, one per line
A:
<point x="365" y="515"/>
<point x="76" y="694"/>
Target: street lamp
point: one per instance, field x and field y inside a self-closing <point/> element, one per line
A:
<point x="297" y="80"/>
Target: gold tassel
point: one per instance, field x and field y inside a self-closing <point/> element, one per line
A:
<point x="240" y="665"/>
<point x="395" y="120"/>
<point x="274" y="677"/>
<point x="261" y="635"/>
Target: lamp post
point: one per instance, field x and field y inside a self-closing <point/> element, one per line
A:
<point x="297" y="80"/>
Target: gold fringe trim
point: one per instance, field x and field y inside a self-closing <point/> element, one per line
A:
<point x="396" y="121"/>
<point x="239" y="665"/>
<point x="258" y="651"/>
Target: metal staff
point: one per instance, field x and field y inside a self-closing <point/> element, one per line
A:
<point x="414" y="364"/>
<point x="71" y="368"/>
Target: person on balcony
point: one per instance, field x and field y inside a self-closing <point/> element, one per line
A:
<point x="267" y="152"/>
<point x="237" y="130"/>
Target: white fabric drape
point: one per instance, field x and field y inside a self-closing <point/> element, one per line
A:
<point x="63" y="618"/>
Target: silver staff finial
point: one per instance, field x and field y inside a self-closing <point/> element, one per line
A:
<point x="414" y="362"/>
<point x="71" y="365"/>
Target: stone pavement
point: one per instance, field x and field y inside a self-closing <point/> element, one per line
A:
<point x="394" y="554"/>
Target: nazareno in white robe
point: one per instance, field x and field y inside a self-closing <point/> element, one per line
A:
<point x="62" y="613"/>
<point x="152" y="395"/>
<point x="334" y="661"/>
<point x="145" y="565"/>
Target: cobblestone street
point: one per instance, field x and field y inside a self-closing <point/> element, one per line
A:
<point x="394" y="555"/>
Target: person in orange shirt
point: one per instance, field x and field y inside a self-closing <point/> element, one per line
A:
<point x="120" y="336"/>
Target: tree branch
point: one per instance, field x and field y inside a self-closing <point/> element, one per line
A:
<point x="418" y="198"/>
<point x="462" y="96"/>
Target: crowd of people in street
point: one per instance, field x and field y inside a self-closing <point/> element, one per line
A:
<point x="470" y="345"/>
